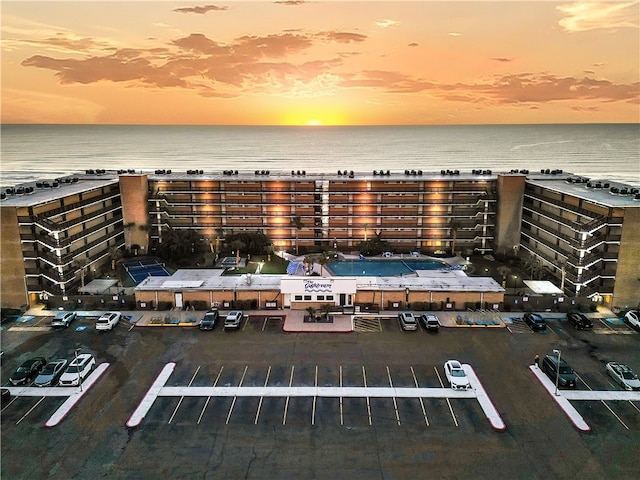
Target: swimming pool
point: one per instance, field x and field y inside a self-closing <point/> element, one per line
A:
<point x="383" y="268"/>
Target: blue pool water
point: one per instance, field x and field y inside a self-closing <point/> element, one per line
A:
<point x="382" y="268"/>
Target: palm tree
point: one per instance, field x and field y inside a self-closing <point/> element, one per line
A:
<point x="116" y="255"/>
<point x="81" y="263"/>
<point x="312" y="312"/>
<point x="296" y="222"/>
<point x="323" y="260"/>
<point x="505" y="272"/>
<point x="326" y="309"/>
<point x="454" y="233"/>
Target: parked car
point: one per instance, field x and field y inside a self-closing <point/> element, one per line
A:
<point x="209" y="320"/>
<point x="456" y="375"/>
<point x="430" y="322"/>
<point x="77" y="370"/>
<point x="5" y="396"/>
<point x="51" y="373"/>
<point x="29" y="370"/>
<point x="407" y="321"/>
<point x="108" y="320"/>
<point x="633" y="318"/>
<point x="63" y="319"/>
<point x="233" y="319"/>
<point x="552" y="367"/>
<point x="535" y="322"/>
<point x="623" y="375"/>
<point x="580" y="320"/>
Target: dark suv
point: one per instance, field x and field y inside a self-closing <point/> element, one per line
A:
<point x="566" y="376"/>
<point x="580" y="320"/>
<point x="535" y="321"/>
<point x="209" y="320"/>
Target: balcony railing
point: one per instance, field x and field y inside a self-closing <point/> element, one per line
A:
<point x="51" y="242"/>
<point x="81" y="204"/>
<point x="593" y="216"/>
<point x="60" y="226"/>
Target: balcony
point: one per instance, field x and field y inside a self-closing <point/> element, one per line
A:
<point x="113" y="194"/>
<point x="51" y="242"/>
<point x="590" y="214"/>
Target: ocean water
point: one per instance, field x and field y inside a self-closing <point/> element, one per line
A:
<point x="598" y="151"/>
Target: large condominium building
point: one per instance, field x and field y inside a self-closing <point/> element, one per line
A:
<point x="587" y="234"/>
<point x="54" y="233"/>
<point x="584" y="234"/>
<point x="410" y="211"/>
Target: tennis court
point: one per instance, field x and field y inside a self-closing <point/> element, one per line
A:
<point x="139" y="270"/>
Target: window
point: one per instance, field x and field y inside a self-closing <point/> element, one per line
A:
<point x="329" y="297"/>
<point x="298" y="297"/>
<point x="307" y="297"/>
<point x="320" y="297"/>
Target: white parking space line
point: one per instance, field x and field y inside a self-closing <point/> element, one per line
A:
<point x="286" y="403"/>
<point x="266" y="381"/>
<point x="152" y="393"/>
<point x="209" y="397"/>
<point x="560" y="399"/>
<point x="264" y="324"/>
<point x="364" y="376"/>
<point x="483" y="399"/>
<point x="395" y="403"/>
<point x="76" y="395"/>
<point x="341" y="409"/>
<point x="604" y="403"/>
<point x="182" y="398"/>
<point x="30" y="410"/>
<point x="424" y="412"/>
<point x="158" y="389"/>
<point x="313" y="410"/>
<point x="453" y="415"/>
<point x="235" y="396"/>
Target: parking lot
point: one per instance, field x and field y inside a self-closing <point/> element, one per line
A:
<point x="319" y="436"/>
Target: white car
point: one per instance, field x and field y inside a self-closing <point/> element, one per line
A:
<point x="633" y="318"/>
<point x="407" y="321"/>
<point x="233" y="319"/>
<point x="77" y="370"/>
<point x="108" y="320"/>
<point x="63" y="319"/>
<point x="456" y="375"/>
<point x="623" y="375"/>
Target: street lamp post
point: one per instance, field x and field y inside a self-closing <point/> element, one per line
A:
<point x="77" y="368"/>
<point x="558" y="353"/>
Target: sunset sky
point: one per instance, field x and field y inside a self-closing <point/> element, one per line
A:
<point x="320" y="62"/>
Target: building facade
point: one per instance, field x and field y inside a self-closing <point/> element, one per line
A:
<point x="584" y="233"/>
<point x="410" y="211"/>
<point x="55" y="233"/>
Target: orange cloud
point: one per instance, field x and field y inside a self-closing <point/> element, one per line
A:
<point x="200" y="10"/>
<point x="264" y="63"/>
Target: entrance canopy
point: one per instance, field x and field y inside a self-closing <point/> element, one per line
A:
<point x="542" y="287"/>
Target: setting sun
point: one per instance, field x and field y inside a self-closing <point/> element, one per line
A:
<point x="314" y="123"/>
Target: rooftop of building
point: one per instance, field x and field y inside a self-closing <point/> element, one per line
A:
<point x="425" y="280"/>
<point x="599" y="191"/>
<point x="42" y="192"/>
<point x="36" y="192"/>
